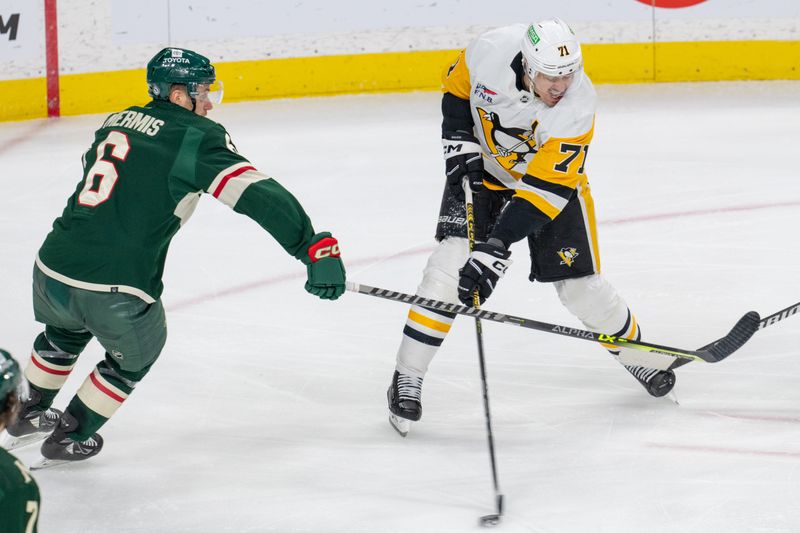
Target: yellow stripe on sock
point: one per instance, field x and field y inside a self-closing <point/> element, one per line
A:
<point x="634" y="328"/>
<point x="428" y="322"/>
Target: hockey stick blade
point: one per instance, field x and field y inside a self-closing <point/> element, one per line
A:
<point x="735" y="339"/>
<point x="719" y="346"/>
<point x="719" y="350"/>
<point x="774" y="318"/>
<point x="492" y="520"/>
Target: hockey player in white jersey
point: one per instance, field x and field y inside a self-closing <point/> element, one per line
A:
<point x="518" y="119"/>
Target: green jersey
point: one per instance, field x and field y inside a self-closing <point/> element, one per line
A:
<point x="143" y="177"/>
<point x="19" y="496"/>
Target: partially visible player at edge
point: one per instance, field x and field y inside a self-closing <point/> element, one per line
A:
<point x="98" y="273"/>
<point x="19" y="494"/>
<point x="518" y="117"/>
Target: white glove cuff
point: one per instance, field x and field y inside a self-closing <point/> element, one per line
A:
<point x="454" y="148"/>
<point x="495" y="264"/>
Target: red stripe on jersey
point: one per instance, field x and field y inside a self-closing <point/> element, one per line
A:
<point x="50" y="370"/>
<point x="228" y="177"/>
<point x="105" y="389"/>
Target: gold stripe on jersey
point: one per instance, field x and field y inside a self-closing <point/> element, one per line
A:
<point x="562" y="160"/>
<point x="590" y="222"/>
<point x="493" y="186"/>
<point x="455" y="78"/>
<point x="428" y="322"/>
<point x="539" y="202"/>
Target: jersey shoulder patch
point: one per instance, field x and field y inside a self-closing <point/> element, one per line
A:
<point x="455" y="78"/>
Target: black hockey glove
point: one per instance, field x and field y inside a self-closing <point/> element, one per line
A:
<point x="486" y="265"/>
<point x="462" y="157"/>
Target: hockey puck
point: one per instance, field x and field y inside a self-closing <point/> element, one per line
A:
<point x="490" y="520"/>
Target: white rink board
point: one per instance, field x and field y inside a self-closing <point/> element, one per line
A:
<point x="22" y="57"/>
<point x="98" y="36"/>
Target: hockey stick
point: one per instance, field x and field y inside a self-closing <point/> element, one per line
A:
<point x="774" y="318"/>
<point x="717" y="351"/>
<point x="491" y="519"/>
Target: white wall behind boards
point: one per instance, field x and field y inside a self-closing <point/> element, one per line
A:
<point x="102" y="35"/>
<point x="22" y="54"/>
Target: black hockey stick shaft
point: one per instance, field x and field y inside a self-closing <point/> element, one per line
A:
<point x="476" y="302"/>
<point x="717" y="351"/>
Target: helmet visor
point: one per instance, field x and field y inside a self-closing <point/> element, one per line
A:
<point x="211" y="92"/>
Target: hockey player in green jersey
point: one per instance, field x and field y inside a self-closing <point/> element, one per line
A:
<point x="19" y="494"/>
<point x="98" y="273"/>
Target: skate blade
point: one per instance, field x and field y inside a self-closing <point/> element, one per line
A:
<point x="401" y="425"/>
<point x="673" y="397"/>
<point x="10" y="442"/>
<point x="47" y="463"/>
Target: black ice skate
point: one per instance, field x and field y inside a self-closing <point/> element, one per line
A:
<point x="34" y="423"/>
<point x="59" y="448"/>
<point x="657" y="383"/>
<point x="405" y="401"/>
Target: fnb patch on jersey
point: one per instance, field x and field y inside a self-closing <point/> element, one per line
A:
<point x="485" y="93"/>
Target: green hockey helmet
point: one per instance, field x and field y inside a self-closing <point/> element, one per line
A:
<point x="178" y="66"/>
<point x="10" y="375"/>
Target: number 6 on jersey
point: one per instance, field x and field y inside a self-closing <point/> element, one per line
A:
<point x="92" y="196"/>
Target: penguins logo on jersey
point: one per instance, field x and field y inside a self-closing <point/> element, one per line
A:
<point x="568" y="256"/>
<point x="508" y="146"/>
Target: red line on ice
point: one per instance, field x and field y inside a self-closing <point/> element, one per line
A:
<point x="719" y="449"/>
<point x="428" y="249"/>
<point x="759" y="418"/>
<point x="698" y="212"/>
<point x="19" y="139"/>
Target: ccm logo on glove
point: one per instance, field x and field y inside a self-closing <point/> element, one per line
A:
<point x="486" y="265"/>
<point x="500" y="266"/>
<point x="327" y="247"/>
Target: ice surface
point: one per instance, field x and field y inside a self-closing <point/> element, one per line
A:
<point x="267" y="411"/>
